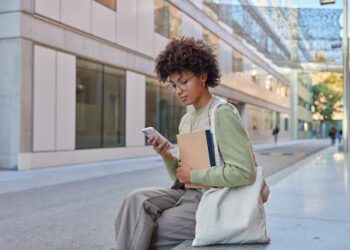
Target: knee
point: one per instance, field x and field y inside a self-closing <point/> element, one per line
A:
<point x="130" y="202"/>
<point x="135" y="196"/>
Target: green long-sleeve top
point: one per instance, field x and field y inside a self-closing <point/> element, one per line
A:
<point x="233" y="142"/>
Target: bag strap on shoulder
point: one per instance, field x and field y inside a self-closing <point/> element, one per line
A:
<point x="218" y="157"/>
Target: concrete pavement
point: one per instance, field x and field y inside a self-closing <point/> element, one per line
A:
<point x="308" y="207"/>
<point x="74" y="207"/>
<point x="11" y="181"/>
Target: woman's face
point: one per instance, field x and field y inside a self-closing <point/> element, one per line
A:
<point x="187" y="86"/>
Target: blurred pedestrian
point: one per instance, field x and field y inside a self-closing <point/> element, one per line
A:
<point x="332" y="134"/>
<point x="339" y="136"/>
<point x="275" y="132"/>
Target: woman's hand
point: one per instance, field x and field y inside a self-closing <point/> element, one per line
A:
<point x="162" y="148"/>
<point x="183" y="173"/>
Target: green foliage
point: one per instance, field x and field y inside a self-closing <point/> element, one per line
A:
<point x="326" y="101"/>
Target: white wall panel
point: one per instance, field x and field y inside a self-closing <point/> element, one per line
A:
<point x="191" y="28"/>
<point x="159" y="43"/>
<point x="49" y="8"/>
<point x="103" y="21"/>
<point x="186" y="25"/>
<point x="225" y="57"/>
<point x="126" y="23"/>
<point x="77" y="14"/>
<point x="197" y="30"/>
<point x="65" y="118"/>
<point x="135" y="108"/>
<point x="199" y="3"/>
<point x="44" y="99"/>
<point x="145" y="26"/>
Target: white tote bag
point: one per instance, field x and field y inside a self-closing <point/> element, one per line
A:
<point x="231" y="215"/>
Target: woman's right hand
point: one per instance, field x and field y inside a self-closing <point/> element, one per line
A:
<point x="162" y="148"/>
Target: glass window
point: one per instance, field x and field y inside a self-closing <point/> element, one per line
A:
<point x="211" y="39"/>
<point x="211" y="8"/>
<point x="161" y="17"/>
<point x="300" y="125"/>
<point x="100" y="106"/>
<point x="114" y="107"/>
<point x="166" y="116"/>
<point x="268" y="119"/>
<point x="167" y="19"/>
<point x="89" y="105"/>
<point x="175" y="22"/>
<point x="278" y="118"/>
<point x="163" y="111"/>
<point x="152" y="101"/>
<point x="108" y="3"/>
<point x="254" y="73"/>
<point x="179" y="111"/>
<point x="237" y="61"/>
<point x="254" y="117"/>
<point x="286" y="124"/>
<point x="269" y="82"/>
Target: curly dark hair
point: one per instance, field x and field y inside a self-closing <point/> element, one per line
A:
<point x="188" y="54"/>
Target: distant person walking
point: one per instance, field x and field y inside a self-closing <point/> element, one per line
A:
<point x="275" y="132"/>
<point x="332" y="133"/>
<point x="340" y="136"/>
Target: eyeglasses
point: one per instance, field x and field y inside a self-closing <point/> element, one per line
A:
<point x="182" y="85"/>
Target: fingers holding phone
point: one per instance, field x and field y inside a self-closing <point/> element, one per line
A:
<point x="160" y="144"/>
<point x="161" y="147"/>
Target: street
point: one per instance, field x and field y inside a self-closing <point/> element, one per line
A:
<point x="79" y="214"/>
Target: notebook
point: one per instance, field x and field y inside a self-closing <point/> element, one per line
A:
<point x="196" y="149"/>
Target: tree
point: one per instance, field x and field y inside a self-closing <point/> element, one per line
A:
<point x="326" y="101"/>
<point x="333" y="79"/>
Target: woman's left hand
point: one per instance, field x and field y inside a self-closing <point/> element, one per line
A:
<point x="183" y="173"/>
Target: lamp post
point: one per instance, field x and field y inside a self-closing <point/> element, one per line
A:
<point x="346" y="86"/>
<point x="345" y="77"/>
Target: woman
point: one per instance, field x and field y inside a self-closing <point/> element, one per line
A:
<point x="161" y="218"/>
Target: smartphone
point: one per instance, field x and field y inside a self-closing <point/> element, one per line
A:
<point x="150" y="131"/>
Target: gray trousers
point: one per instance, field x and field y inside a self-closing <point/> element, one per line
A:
<point x="156" y="218"/>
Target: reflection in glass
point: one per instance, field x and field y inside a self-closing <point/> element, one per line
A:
<point x="114" y="107"/>
<point x="262" y="119"/>
<point x="161" y="17"/>
<point x="100" y="106"/>
<point x="167" y="19"/>
<point x="152" y="100"/>
<point x="211" y="39"/>
<point x="237" y="61"/>
<point x="167" y="113"/>
<point x="89" y="105"/>
<point x="286" y="122"/>
<point x="163" y="111"/>
<point x="175" y="22"/>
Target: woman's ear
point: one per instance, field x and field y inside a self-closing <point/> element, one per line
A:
<point x="204" y="78"/>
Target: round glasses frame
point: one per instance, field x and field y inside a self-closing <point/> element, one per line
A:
<point x="182" y="85"/>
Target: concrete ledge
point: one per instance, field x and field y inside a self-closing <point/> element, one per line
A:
<point x="187" y="245"/>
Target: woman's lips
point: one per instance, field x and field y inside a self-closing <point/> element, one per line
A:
<point x="183" y="98"/>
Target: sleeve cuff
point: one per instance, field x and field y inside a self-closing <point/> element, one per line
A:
<point x="196" y="176"/>
<point x="169" y="161"/>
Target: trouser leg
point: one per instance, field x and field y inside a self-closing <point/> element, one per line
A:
<point x="177" y="223"/>
<point x="137" y="216"/>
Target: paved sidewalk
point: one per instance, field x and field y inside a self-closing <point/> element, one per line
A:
<point x="11" y="181"/>
<point x="309" y="206"/>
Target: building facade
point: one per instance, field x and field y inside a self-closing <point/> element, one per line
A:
<point x="77" y="80"/>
